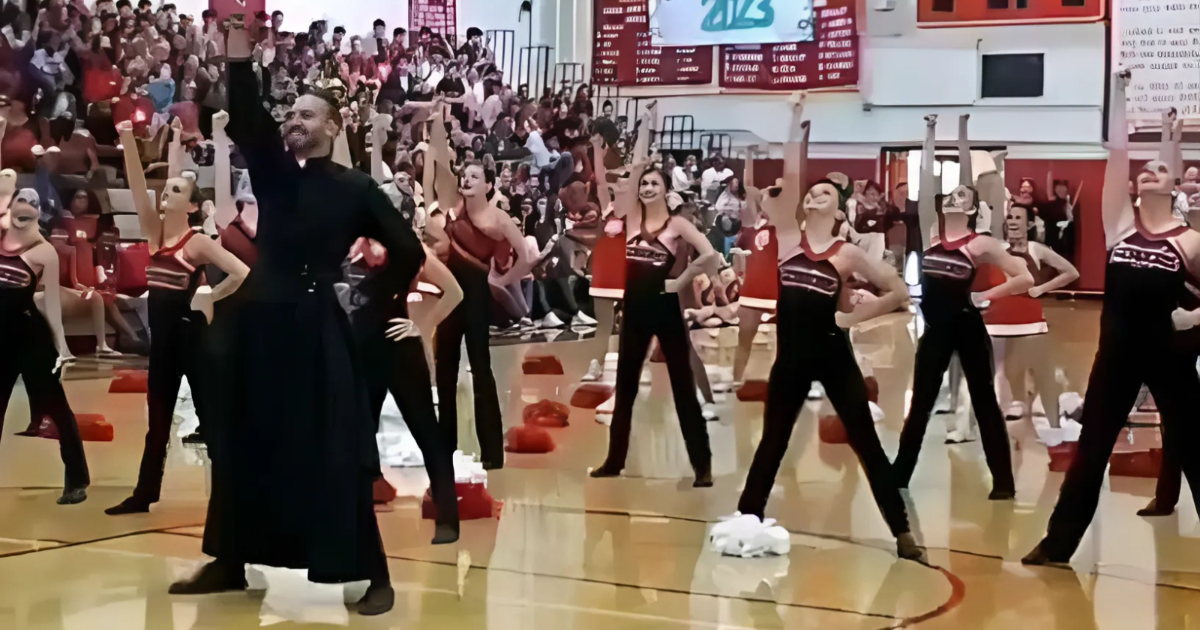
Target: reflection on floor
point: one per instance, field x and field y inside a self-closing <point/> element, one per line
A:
<point x="572" y="552"/>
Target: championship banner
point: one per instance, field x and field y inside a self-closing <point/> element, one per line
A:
<point x="717" y="22"/>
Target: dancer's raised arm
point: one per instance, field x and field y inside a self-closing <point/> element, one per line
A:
<point x="223" y="172"/>
<point x="603" y="194"/>
<point x="927" y="195"/>
<point x="750" y="209"/>
<point x="966" y="176"/>
<point x="1116" y="208"/>
<point x="795" y="154"/>
<point x="135" y="177"/>
<point x="380" y="125"/>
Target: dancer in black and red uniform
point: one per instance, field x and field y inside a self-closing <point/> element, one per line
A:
<point x="25" y="259"/>
<point x="759" y="240"/>
<point x="654" y="272"/>
<point x="479" y="237"/>
<point x="1151" y="255"/>
<point x="178" y="319"/>
<point x="813" y="344"/>
<point x="954" y="323"/>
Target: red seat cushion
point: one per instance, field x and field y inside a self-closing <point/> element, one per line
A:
<point x="753" y="391"/>
<point x="542" y="365"/>
<point x="591" y="395"/>
<point x="546" y="413"/>
<point x="92" y="428"/>
<point x="132" y="259"/>
<point x="383" y="491"/>
<point x="129" y="382"/>
<point x="831" y="430"/>
<point x="474" y="502"/>
<point x="528" y="439"/>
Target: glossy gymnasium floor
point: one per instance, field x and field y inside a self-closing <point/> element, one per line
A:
<point x="569" y="552"/>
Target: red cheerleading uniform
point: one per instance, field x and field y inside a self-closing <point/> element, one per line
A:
<point x="608" y="265"/>
<point x="1013" y="315"/>
<point x="760" y="288"/>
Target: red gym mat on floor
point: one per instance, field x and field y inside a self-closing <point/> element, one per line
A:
<point x="542" y="365"/>
<point x="92" y="428"/>
<point x="129" y="382"/>
<point x="831" y="430"/>
<point x="753" y="391"/>
<point x="591" y="395"/>
<point x="547" y="414"/>
<point x="528" y="439"/>
<point x="474" y="502"/>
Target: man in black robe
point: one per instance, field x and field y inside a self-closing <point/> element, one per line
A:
<point x="293" y="443"/>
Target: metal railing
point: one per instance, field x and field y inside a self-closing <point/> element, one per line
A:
<point x="504" y="45"/>
<point x="535" y="69"/>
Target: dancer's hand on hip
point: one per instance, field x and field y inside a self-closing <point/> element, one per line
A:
<point x="202" y="301"/>
<point x="402" y="328"/>
<point x="1184" y="319"/>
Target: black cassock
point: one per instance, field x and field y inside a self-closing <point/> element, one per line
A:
<point x="292" y="440"/>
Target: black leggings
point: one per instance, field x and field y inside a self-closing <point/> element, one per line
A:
<point x="967" y="335"/>
<point x="176" y="338"/>
<point x="469" y="319"/>
<point x="1117" y="374"/>
<point x="830" y="360"/>
<point x="32" y="356"/>
<point x="400" y="366"/>
<point x="1170" y="477"/>
<point x="646" y="317"/>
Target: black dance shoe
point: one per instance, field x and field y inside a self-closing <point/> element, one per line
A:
<point x="195" y="439"/>
<point x="493" y="465"/>
<point x="1152" y="509"/>
<point x="1039" y="558"/>
<point x="73" y="496"/>
<point x="132" y="505"/>
<point x="1002" y="495"/>
<point x="445" y="534"/>
<point x="908" y="549"/>
<point x="603" y="472"/>
<point x="379" y="599"/>
<point x="214" y="577"/>
<point x="704" y="479"/>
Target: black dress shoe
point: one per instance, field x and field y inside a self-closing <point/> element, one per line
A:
<point x="908" y="549"/>
<point x="73" y="496"/>
<point x="379" y="599"/>
<point x="1039" y="558"/>
<point x="1153" y="510"/>
<point x="214" y="577"/>
<point x="1002" y="495"/>
<point x="132" y="505"/>
<point x="603" y="472"/>
<point x="445" y="533"/>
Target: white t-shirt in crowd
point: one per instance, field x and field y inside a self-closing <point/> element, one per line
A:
<point x="492" y="108"/>
<point x="712" y="179"/>
<point x="680" y="181"/>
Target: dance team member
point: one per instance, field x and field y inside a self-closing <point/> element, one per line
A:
<point x="33" y="353"/>
<point x="178" y="315"/>
<point x="294" y="454"/>
<point x="1017" y="323"/>
<point x="479" y="237"/>
<point x="954" y="323"/>
<point x="813" y="343"/>
<point x="654" y="272"/>
<point x="1151" y="255"/>
<point x="761" y="233"/>
<point x="393" y="358"/>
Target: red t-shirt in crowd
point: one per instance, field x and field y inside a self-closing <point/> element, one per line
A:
<point x="138" y="109"/>
<point x="101" y="81"/>
<point x="16" y="151"/>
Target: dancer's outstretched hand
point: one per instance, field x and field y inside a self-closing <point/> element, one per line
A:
<point x="401" y="328"/>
